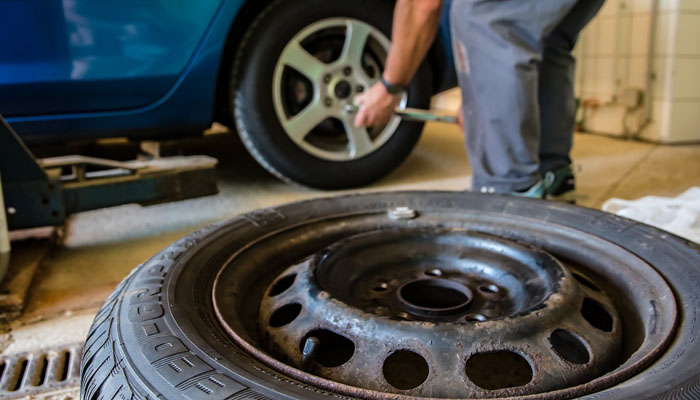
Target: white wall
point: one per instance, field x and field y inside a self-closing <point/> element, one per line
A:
<point x="613" y="60"/>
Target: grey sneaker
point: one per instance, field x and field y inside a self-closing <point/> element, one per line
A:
<point x="563" y="187"/>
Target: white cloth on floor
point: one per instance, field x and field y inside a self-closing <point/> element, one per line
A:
<point x="679" y="215"/>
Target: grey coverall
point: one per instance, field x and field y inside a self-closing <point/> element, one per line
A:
<point x="516" y="71"/>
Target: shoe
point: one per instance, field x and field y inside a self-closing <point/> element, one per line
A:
<point x="539" y="190"/>
<point x="563" y="187"/>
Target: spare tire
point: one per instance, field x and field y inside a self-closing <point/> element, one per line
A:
<point x="300" y="64"/>
<point x="530" y="299"/>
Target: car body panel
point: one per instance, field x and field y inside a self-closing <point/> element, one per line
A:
<point x="163" y="79"/>
<point x="75" y="52"/>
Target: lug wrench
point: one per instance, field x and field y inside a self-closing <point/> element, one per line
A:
<point x="414" y="114"/>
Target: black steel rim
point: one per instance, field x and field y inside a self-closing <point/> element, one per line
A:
<point x="579" y="275"/>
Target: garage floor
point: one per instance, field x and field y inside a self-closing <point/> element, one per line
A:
<point x="101" y="247"/>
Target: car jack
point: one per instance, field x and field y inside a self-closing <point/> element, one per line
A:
<point x="43" y="192"/>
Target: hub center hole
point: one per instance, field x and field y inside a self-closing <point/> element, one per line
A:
<point x="342" y="89"/>
<point x="434" y="296"/>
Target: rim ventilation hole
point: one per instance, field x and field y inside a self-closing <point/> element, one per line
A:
<point x="381" y="288"/>
<point x="489" y="289"/>
<point x="434" y="272"/>
<point x="405" y="369"/>
<point x="498" y="370"/>
<point x="586" y="282"/>
<point x="282" y="285"/>
<point x="334" y="350"/>
<point x="569" y="347"/>
<point x="284" y="315"/>
<point x="596" y="315"/>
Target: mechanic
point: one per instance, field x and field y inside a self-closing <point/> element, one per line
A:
<point x="516" y="72"/>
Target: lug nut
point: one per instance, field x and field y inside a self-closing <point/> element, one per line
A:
<point x="327" y="78"/>
<point x="360" y="89"/>
<point x="328" y="102"/>
<point x="347" y="71"/>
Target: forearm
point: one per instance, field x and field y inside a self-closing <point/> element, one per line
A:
<point x="415" y="25"/>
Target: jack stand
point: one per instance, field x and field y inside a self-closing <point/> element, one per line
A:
<point x="44" y="192"/>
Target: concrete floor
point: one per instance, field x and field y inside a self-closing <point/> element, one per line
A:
<point x="101" y="247"/>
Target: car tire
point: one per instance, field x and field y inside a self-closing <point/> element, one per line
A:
<point x="157" y="336"/>
<point x="328" y="162"/>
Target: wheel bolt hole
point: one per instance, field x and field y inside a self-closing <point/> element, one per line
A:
<point x="282" y="285"/>
<point x="434" y="272"/>
<point x="382" y="287"/>
<point x="489" y="289"/>
<point x="498" y="370"/>
<point x="596" y="315"/>
<point x="405" y="370"/>
<point x="569" y="346"/>
<point x="284" y="315"/>
<point x="403" y="316"/>
<point x="475" y="318"/>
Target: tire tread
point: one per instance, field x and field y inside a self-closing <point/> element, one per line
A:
<point x="242" y="127"/>
<point x="103" y="374"/>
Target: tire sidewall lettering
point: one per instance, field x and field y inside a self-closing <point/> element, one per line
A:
<point x="171" y="359"/>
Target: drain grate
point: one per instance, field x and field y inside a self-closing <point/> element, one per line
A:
<point x="34" y="373"/>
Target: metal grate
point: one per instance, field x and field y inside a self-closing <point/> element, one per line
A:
<point x="36" y="373"/>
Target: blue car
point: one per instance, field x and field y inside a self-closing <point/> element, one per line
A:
<point x="278" y="72"/>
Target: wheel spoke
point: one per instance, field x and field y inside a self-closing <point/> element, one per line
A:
<point x="355" y="40"/>
<point x="301" y="60"/>
<point x="360" y="142"/>
<point x="300" y="125"/>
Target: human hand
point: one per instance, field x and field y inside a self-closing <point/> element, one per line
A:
<point x="376" y="106"/>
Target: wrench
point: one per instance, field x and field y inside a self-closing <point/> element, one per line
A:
<point x="414" y="114"/>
